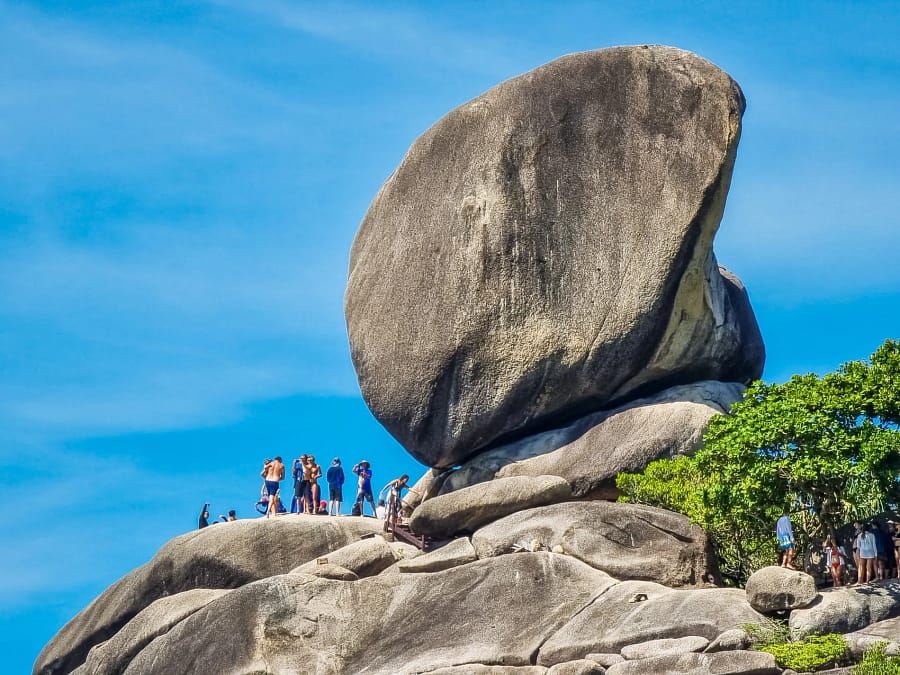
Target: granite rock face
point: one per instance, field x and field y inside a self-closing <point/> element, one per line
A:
<point x="114" y="655"/>
<point x="847" y="609"/>
<point x="469" y="508"/>
<point x="639" y="611"/>
<point x="227" y="555"/>
<point x="393" y="624"/>
<point x="627" y="541"/>
<point x="545" y="251"/>
<point x="590" y="452"/>
<point x="775" y="589"/>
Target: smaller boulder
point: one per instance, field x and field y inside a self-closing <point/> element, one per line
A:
<point x="457" y="552"/>
<point x="730" y="640"/>
<point x="881" y="631"/>
<point x="579" y="667"/>
<point x="775" y="589"/>
<point x="605" y="660"/>
<point x="720" y="663"/>
<point x="364" y="558"/>
<point x="481" y="669"/>
<point x="336" y="572"/>
<point x="627" y="541"/>
<point x="664" y="647"/>
<point x="847" y="609"/>
<point x="469" y="508"/>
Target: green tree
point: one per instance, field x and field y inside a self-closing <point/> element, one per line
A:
<point x="827" y="447"/>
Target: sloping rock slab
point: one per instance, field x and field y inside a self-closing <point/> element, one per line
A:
<point x="615" y="620"/>
<point x="492" y="612"/>
<point x="848" y="609"/>
<point x="579" y="667"/>
<point x="112" y="657"/>
<point x="627" y="541"/>
<point x="590" y="452"/>
<point x="773" y="589"/>
<point x="881" y="631"/>
<point x="228" y="555"/>
<point x="720" y="663"/>
<point x="664" y="647"/>
<point x="365" y="558"/>
<point x="457" y="552"/>
<point x="546" y="249"/>
<point x="481" y="669"/>
<point x="468" y="509"/>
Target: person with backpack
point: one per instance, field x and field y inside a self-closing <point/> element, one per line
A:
<point x="335" y="479"/>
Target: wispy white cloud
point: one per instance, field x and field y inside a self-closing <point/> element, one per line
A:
<point x="387" y="31"/>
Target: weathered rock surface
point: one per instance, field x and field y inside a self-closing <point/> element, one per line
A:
<point x="614" y="620"/>
<point x="848" y="609"/>
<point x="730" y="640"/>
<point x="403" y="623"/>
<point x="773" y="589"/>
<point x="481" y="669"/>
<point x="112" y="657"/>
<point x="364" y="558"/>
<point x="457" y="552"/>
<point x="664" y="647"/>
<point x="228" y="555"/>
<point x="590" y="452"/>
<point x="328" y="571"/>
<point x="579" y="667"/>
<point x="881" y="631"/>
<point x="720" y="663"/>
<point x="552" y="243"/>
<point x="469" y="508"/>
<point x="627" y="541"/>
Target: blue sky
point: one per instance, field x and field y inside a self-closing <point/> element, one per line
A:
<point x="180" y="184"/>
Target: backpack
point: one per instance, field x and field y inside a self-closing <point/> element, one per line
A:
<point x="356" y="510"/>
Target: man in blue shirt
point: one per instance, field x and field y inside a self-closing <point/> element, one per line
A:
<point x="365" y="486"/>
<point x="785" y="533"/>
<point x="335" y="479"/>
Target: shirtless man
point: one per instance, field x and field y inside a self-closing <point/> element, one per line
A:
<point x="273" y="474"/>
<point x="315" y="472"/>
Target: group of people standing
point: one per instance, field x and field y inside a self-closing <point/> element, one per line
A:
<point x="876" y="550"/>
<point x="306" y="474"/>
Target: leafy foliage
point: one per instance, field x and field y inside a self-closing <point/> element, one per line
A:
<point x="767" y="632"/>
<point x="809" y="654"/>
<point x="876" y="662"/>
<point x="827" y="448"/>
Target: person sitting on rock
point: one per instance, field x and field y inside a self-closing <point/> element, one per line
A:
<point x="364" y="490"/>
<point x="785" y="533"/>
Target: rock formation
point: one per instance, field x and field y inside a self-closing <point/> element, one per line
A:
<point x="545" y="251"/>
<point x="533" y="306"/>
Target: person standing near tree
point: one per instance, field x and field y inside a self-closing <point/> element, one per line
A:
<point x="865" y="542"/>
<point x="785" y="533"/>
<point x="335" y="479"/>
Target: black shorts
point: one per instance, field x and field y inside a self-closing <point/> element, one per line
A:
<point x="335" y="494"/>
<point x="301" y="489"/>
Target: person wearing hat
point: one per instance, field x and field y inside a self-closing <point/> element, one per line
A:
<point x="364" y="491"/>
<point x="335" y="479"/>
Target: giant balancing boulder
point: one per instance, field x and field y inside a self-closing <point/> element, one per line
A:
<point x="545" y="251"/>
